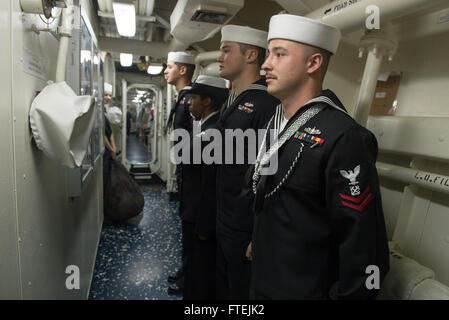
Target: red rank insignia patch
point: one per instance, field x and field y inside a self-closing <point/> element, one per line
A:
<point x="357" y="203"/>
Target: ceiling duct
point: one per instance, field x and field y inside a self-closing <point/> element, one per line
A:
<point x="216" y="15"/>
<point x="197" y="20"/>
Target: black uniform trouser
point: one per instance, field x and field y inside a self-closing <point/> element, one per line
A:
<point x="254" y="295"/>
<point x="200" y="276"/>
<point x="178" y="176"/>
<point x="233" y="272"/>
<point x="188" y="237"/>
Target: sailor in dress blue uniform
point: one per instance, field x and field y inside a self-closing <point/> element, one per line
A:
<point x="319" y="224"/>
<point x="249" y="106"/>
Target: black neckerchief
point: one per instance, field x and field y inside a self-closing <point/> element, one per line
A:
<point x="327" y="98"/>
<point x="171" y="116"/>
<point x="258" y="85"/>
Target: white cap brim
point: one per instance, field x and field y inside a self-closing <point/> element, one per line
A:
<point x="211" y="81"/>
<point x="244" y="35"/>
<point x="181" y="57"/>
<point x="107" y="87"/>
<point x="304" y="30"/>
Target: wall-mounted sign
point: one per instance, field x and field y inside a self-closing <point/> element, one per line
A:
<point x="35" y="64"/>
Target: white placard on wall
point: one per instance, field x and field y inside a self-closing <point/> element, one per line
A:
<point x="35" y="64"/>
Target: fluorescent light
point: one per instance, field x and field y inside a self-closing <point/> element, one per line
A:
<point x="155" y="69"/>
<point x="125" y="18"/>
<point x="126" y="59"/>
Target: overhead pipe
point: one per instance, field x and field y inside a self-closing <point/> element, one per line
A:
<point x="379" y="46"/>
<point x="212" y="69"/>
<point x="207" y="56"/>
<point x="108" y="4"/>
<point x="146" y="7"/>
<point x="139" y="18"/>
<point x="427" y="180"/>
<point x="149" y="34"/>
<point x="65" y="31"/>
<point x="164" y="23"/>
<point x="368" y="86"/>
<point x="102" y="5"/>
<point x="351" y="15"/>
<point x="140" y="48"/>
<point x="136" y="47"/>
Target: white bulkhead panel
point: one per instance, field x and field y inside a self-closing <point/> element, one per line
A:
<point x="9" y="261"/>
<point x="48" y="231"/>
<point x="416" y="137"/>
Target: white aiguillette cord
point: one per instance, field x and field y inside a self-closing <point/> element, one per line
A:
<point x="264" y="157"/>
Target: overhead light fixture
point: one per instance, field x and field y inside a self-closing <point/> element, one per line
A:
<point x="125" y="18"/>
<point x="126" y="59"/>
<point x="155" y="69"/>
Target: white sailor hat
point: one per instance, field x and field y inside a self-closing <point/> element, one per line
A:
<point x="211" y="81"/>
<point x="210" y="86"/>
<point x="244" y="35"/>
<point x="304" y="30"/>
<point x="181" y="57"/>
<point x="107" y="87"/>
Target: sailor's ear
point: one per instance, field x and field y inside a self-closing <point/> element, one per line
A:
<point x="207" y="101"/>
<point x="314" y="62"/>
<point x="182" y="70"/>
<point x="251" y="55"/>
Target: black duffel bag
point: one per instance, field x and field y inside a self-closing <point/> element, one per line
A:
<point x="123" y="198"/>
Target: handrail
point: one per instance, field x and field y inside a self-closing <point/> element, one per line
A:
<point x="425" y="179"/>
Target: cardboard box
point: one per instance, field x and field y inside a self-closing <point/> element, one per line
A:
<point x="384" y="96"/>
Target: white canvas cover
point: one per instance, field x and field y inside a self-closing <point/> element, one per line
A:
<point x="62" y="123"/>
